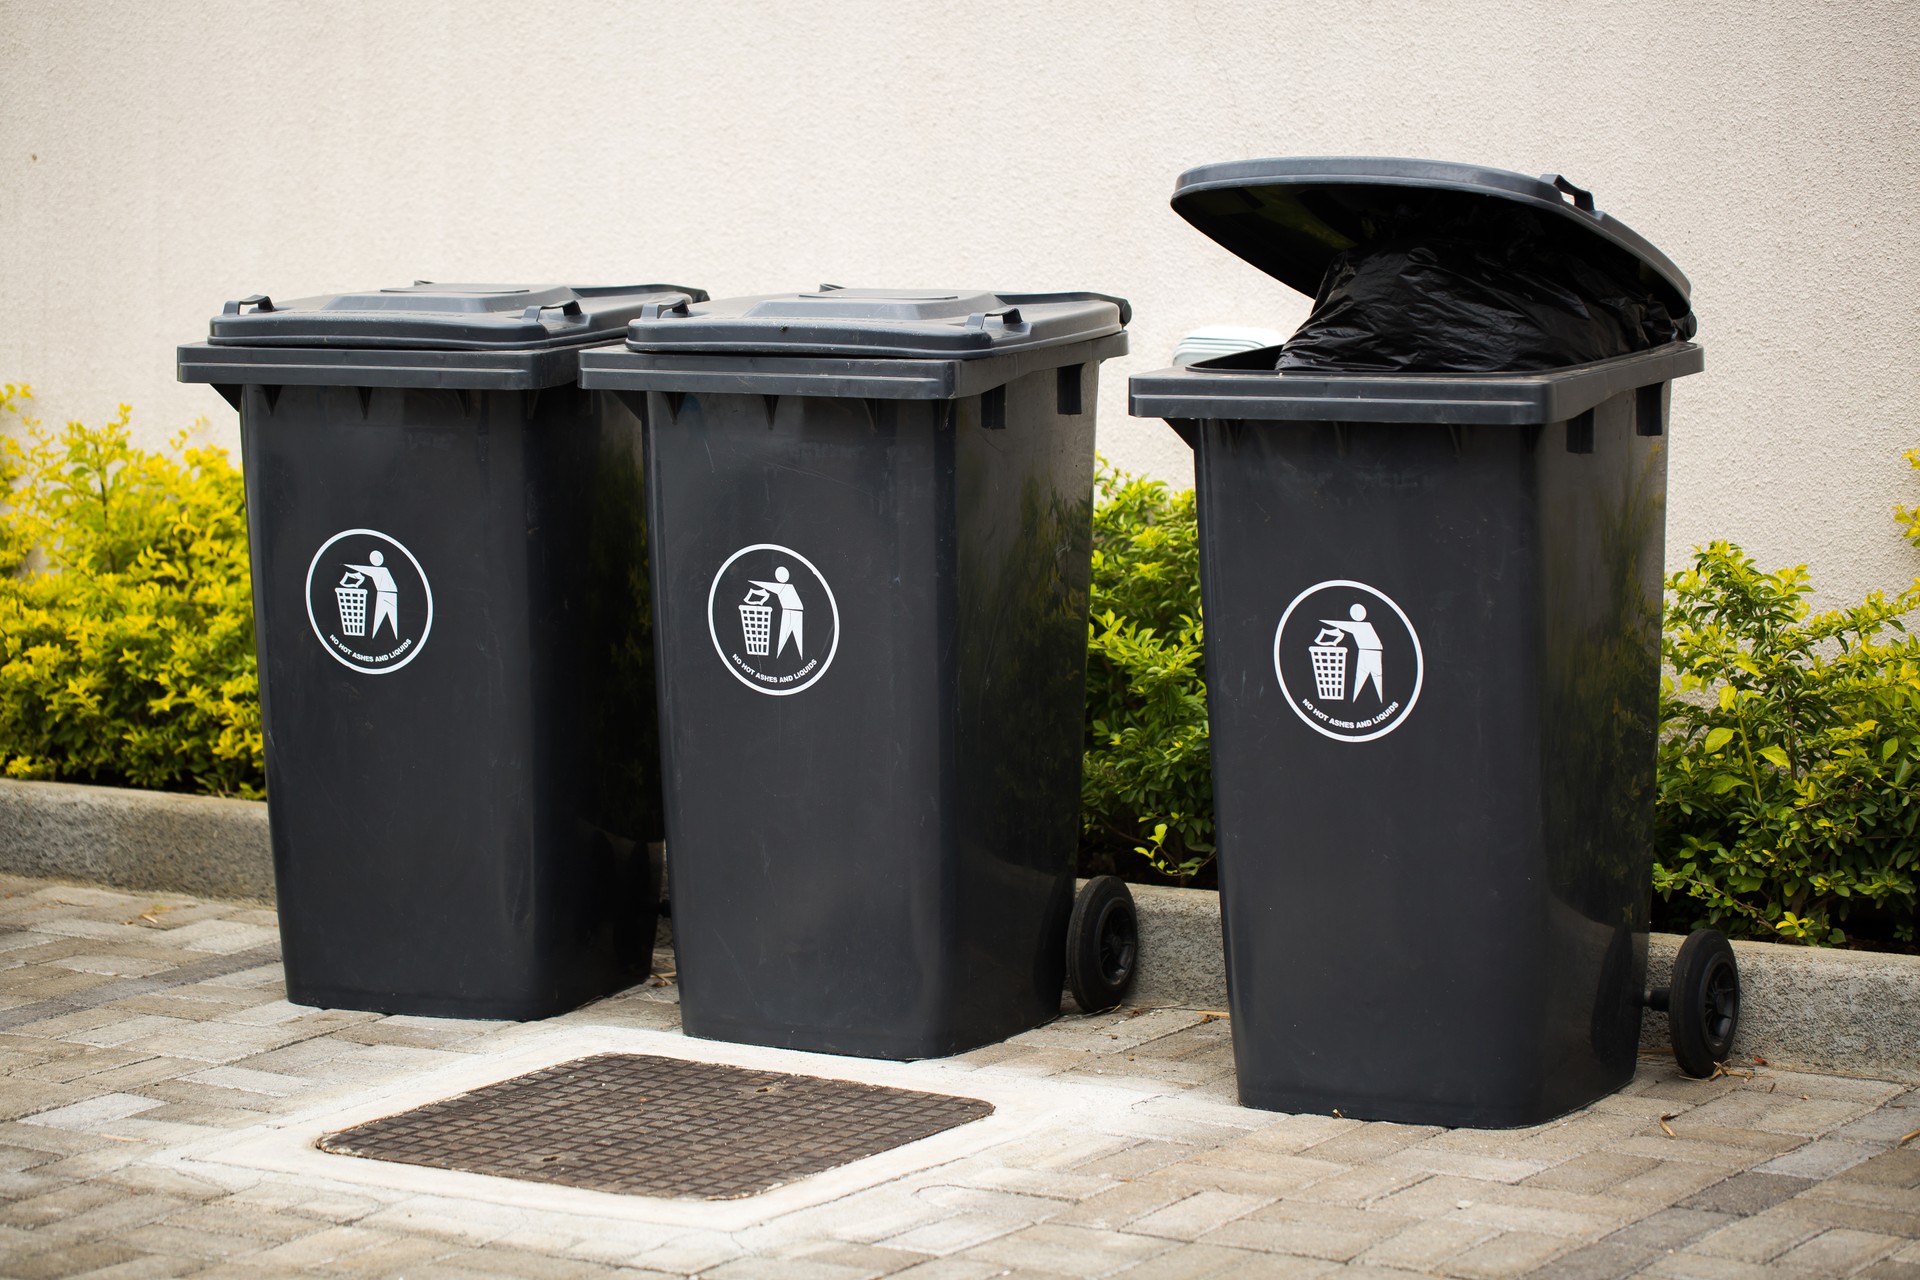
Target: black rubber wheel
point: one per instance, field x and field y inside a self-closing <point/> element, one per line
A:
<point x="1103" y="944"/>
<point x="1703" y="1002"/>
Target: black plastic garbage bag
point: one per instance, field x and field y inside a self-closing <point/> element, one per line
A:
<point x="1485" y="291"/>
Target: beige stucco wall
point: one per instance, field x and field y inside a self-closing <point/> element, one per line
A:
<point x="159" y="159"/>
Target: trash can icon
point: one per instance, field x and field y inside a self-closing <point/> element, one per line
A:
<point x="352" y="598"/>
<point x="756" y="622"/>
<point x="1329" y="664"/>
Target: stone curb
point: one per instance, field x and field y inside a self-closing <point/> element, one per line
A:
<point x="1844" y="1012"/>
<point x="1851" y="1012"/>
<point x="1839" y="1012"/>
<point x="136" y="839"/>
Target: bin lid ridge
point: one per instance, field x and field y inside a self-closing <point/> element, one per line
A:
<point x="1291" y="215"/>
<point x="907" y="323"/>
<point x="436" y="316"/>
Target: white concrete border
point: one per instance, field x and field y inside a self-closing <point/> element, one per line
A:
<point x="1023" y="1105"/>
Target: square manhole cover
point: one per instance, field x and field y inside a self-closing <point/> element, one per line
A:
<point x="642" y="1125"/>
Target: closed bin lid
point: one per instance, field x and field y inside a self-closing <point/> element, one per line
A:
<point x="866" y="323"/>
<point x="1291" y="216"/>
<point x="447" y="317"/>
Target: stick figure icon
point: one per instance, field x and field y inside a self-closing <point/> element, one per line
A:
<point x="792" y="611"/>
<point x="386" y="593"/>
<point x="1366" y="641"/>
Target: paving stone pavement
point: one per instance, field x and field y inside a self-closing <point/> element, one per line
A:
<point x="133" y="1024"/>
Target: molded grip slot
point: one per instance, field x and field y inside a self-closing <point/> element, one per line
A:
<point x="993" y="409"/>
<point x="1650" y="410"/>
<point x="1580" y="433"/>
<point x="1067" y="381"/>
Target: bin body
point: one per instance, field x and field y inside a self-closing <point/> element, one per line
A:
<point x="462" y="780"/>
<point x="1433" y="612"/>
<point x="872" y="856"/>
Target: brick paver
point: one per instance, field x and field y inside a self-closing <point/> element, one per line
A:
<point x="134" y="1024"/>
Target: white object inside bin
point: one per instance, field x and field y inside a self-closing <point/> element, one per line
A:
<point x="1224" y="340"/>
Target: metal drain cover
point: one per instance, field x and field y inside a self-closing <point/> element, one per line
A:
<point x="641" y="1125"/>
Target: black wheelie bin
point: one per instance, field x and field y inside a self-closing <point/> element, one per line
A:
<point x="450" y="606"/>
<point x="1432" y="599"/>
<point x="870" y="514"/>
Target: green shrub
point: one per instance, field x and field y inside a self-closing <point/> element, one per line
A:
<point x="1909" y="517"/>
<point x="1789" y="746"/>
<point x="1146" y="788"/>
<point x="126" y="627"/>
<point x="1790" y="740"/>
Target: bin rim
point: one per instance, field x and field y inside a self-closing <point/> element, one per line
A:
<point x="513" y="369"/>
<point x="1237" y="387"/>
<point x="615" y="367"/>
<point x="1269" y="226"/>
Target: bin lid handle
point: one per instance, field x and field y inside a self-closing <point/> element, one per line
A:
<point x="1582" y="198"/>
<point x="258" y="301"/>
<point x="1008" y="317"/>
<point x="568" y="309"/>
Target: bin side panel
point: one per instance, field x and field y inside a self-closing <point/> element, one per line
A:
<point x="434" y="839"/>
<point x="1024" y="521"/>
<point x="805" y="829"/>
<point x="1383" y="900"/>
<point x="1602" y="531"/>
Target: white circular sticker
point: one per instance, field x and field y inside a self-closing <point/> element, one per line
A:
<point x="773" y="619"/>
<point x="368" y="601"/>
<point x="1348" y="661"/>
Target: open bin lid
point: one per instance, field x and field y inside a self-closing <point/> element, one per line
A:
<point x="447" y="317"/>
<point x="1291" y="216"/>
<point x="948" y="324"/>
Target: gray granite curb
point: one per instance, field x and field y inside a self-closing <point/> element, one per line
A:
<point x="1844" y="1012"/>
<point x="1841" y="1012"/>
<point x="136" y="839"/>
<point x="1850" y="1012"/>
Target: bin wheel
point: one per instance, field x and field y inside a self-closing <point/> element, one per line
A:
<point x="1703" y="1002"/>
<point x="1103" y="944"/>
